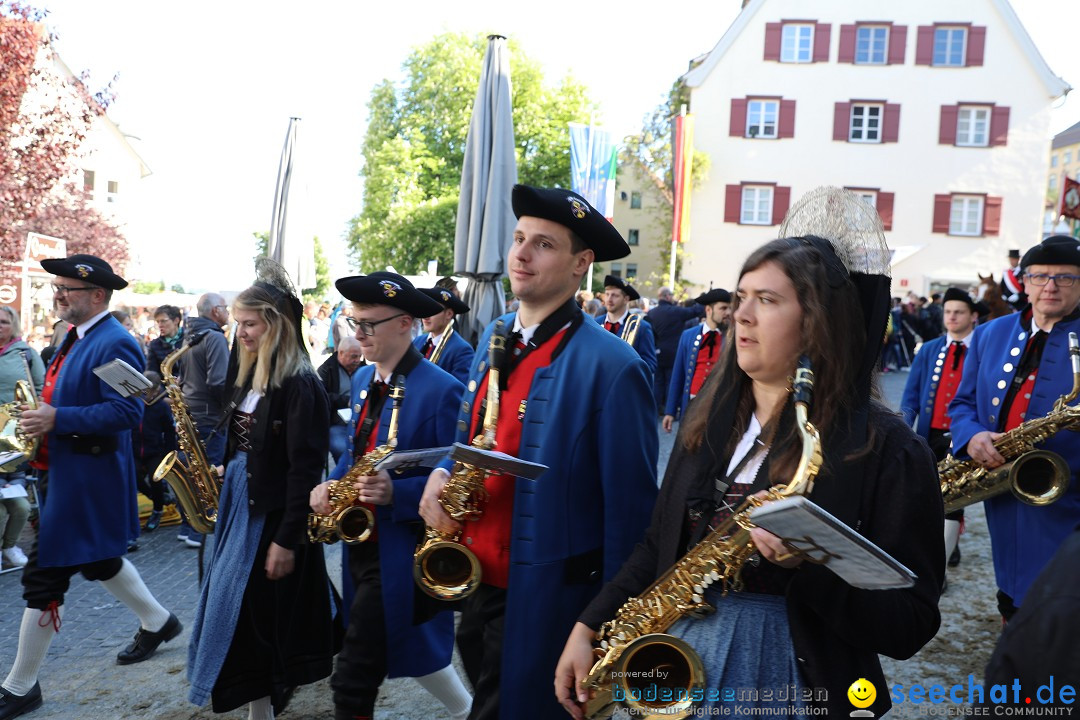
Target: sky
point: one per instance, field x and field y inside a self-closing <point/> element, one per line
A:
<point x="206" y="96"/>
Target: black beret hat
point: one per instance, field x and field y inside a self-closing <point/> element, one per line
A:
<point x="616" y="282"/>
<point x="571" y="210"/>
<point x="958" y="294"/>
<point x="446" y="298"/>
<point x="88" y="268"/>
<point x="713" y="296"/>
<point x="387" y="288"/>
<point x="1054" y="250"/>
<point x="1014" y="254"/>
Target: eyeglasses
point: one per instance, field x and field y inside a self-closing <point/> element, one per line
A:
<point x="62" y="290"/>
<point x="368" y="327"/>
<point x="1041" y="279"/>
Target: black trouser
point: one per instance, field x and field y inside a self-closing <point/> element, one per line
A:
<point x="361" y="664"/>
<point x="939" y="442"/>
<point x="45" y="585"/>
<point x="1006" y="606"/>
<point x="480" y="642"/>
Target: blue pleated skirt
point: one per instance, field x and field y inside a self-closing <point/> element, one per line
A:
<point x="747" y="652"/>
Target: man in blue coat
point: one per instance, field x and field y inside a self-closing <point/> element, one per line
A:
<point x="381" y="639"/>
<point x="545" y="546"/>
<point x="90" y="511"/>
<point x="935" y="377"/>
<point x="441" y="343"/>
<point x="668" y="321"/>
<point x="620" y="321"/>
<point x="699" y="351"/>
<point x="1017" y="368"/>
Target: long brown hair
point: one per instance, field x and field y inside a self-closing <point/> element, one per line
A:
<point x="833" y="337"/>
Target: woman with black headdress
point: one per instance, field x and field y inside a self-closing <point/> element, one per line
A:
<point x="263" y="625"/>
<point x="794" y="625"/>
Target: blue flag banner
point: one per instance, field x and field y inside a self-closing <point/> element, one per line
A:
<point x="593" y="157"/>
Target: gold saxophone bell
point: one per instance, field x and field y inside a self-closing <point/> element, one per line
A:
<point x="446" y="570"/>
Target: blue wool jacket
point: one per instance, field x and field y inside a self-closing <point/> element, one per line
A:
<point x="425" y="420"/>
<point x="921" y="388"/>
<point x="1023" y="537"/>
<point x="682" y="372"/>
<point x="590" y="418"/>
<point x="644" y="342"/>
<point x="456" y="357"/>
<point x="91" y="511"/>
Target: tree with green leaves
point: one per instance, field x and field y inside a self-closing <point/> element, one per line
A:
<point x="415" y="146"/>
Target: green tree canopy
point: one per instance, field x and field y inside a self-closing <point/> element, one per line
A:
<point x="415" y="146"/>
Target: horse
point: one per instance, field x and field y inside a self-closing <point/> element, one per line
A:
<point x="989" y="292"/>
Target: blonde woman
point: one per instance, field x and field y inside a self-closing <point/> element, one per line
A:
<point x="263" y="625"/>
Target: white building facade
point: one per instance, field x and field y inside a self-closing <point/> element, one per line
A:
<point x="938" y="113"/>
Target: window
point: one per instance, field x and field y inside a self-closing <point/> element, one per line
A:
<point x="114" y="188"/>
<point x="1053" y="161"/>
<point x="949" y="46"/>
<point x="797" y="43"/>
<point x="973" y="126"/>
<point x="756" y="205"/>
<point x="635" y="201"/>
<point x="871" y="45"/>
<point x="1053" y="182"/>
<point x="865" y="123"/>
<point x="632" y="236"/>
<point x="965" y="216"/>
<point x="1068" y="157"/>
<point x="761" y="118"/>
<point x="88" y="182"/>
<point x="869" y="196"/>
<point x="631" y="271"/>
<point x="616" y="269"/>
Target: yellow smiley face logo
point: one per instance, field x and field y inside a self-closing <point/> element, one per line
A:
<point x="862" y="693"/>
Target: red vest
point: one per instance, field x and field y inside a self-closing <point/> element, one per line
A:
<point x="706" y="359"/>
<point x="372" y="439"/>
<point x="950" y="381"/>
<point x="52" y="375"/>
<point x="489" y="536"/>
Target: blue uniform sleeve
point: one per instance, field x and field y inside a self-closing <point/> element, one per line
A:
<point x="678" y="380"/>
<point x="963" y="410"/>
<point x="459" y="363"/>
<point x="645" y="344"/>
<point x="909" y="403"/>
<point x="114" y="413"/>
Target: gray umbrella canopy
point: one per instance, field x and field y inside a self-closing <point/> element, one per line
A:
<point x="291" y="244"/>
<point x="485" y="219"/>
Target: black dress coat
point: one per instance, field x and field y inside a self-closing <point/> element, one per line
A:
<point x="837" y="630"/>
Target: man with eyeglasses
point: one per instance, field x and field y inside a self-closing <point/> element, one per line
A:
<point x="382" y="640"/>
<point x="91" y="512"/>
<point x="1016" y="369"/>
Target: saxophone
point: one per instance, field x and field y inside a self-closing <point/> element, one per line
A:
<point x="633" y="644"/>
<point x="1036" y="477"/>
<point x="348" y="520"/>
<point x="196" y="485"/>
<point x="443" y="567"/>
<point x="437" y="352"/>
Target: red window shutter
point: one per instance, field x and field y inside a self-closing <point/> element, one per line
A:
<point x="841" y="118"/>
<point x="781" y="199"/>
<point x="738" y="117"/>
<point x="976" y="45"/>
<point x="773" y="33"/>
<point x="992" y="215"/>
<point x="924" y="45"/>
<point x="947" y="131"/>
<point x="890" y="127"/>
<point x="942" y="208"/>
<point x="884" y="208"/>
<point x="733" y="203"/>
<point x="822" y="32"/>
<point x="847" y="44"/>
<point x="999" y="125"/>
<point x="787" y="119"/>
<point x="897" y="44"/>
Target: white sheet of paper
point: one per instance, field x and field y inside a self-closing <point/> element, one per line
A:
<point x="12" y="491"/>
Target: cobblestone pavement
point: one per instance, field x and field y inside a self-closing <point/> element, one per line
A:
<point x="80" y="678"/>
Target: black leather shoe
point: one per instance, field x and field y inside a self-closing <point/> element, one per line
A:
<point x="954" y="559"/>
<point x="12" y="706"/>
<point x="147" y="642"/>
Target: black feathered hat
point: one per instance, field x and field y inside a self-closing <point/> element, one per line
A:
<point x="713" y="296"/>
<point x="568" y="208"/>
<point x="958" y="294"/>
<point x="446" y="298"/>
<point x="387" y="288"/>
<point x="617" y="282"/>
<point x="87" y="268"/>
<point x="1054" y="250"/>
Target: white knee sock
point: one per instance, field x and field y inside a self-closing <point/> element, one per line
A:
<point x="129" y="588"/>
<point x="446" y="687"/>
<point x="35" y="635"/>
<point x="952" y="537"/>
<point x="261" y="709"/>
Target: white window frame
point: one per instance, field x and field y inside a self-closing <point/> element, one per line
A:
<point x="1053" y="160"/>
<point x="1067" y="157"/>
<point x="616" y="269"/>
<point x="966" y="215"/>
<point x="635" y="200"/>
<point x="631" y="271"/>
<point x="758" y="117"/>
<point x="968" y="125"/>
<point x="797" y="43"/>
<point x="756" y="205"/>
<point x="861" y="112"/>
<point x="869" y="196"/>
<point x="113" y="193"/>
<point x="871" y="50"/>
<point x="633" y="233"/>
<point x="950" y="46"/>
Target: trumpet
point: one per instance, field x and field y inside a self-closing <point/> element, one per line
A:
<point x="443" y="567"/>
<point x="348" y="520"/>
